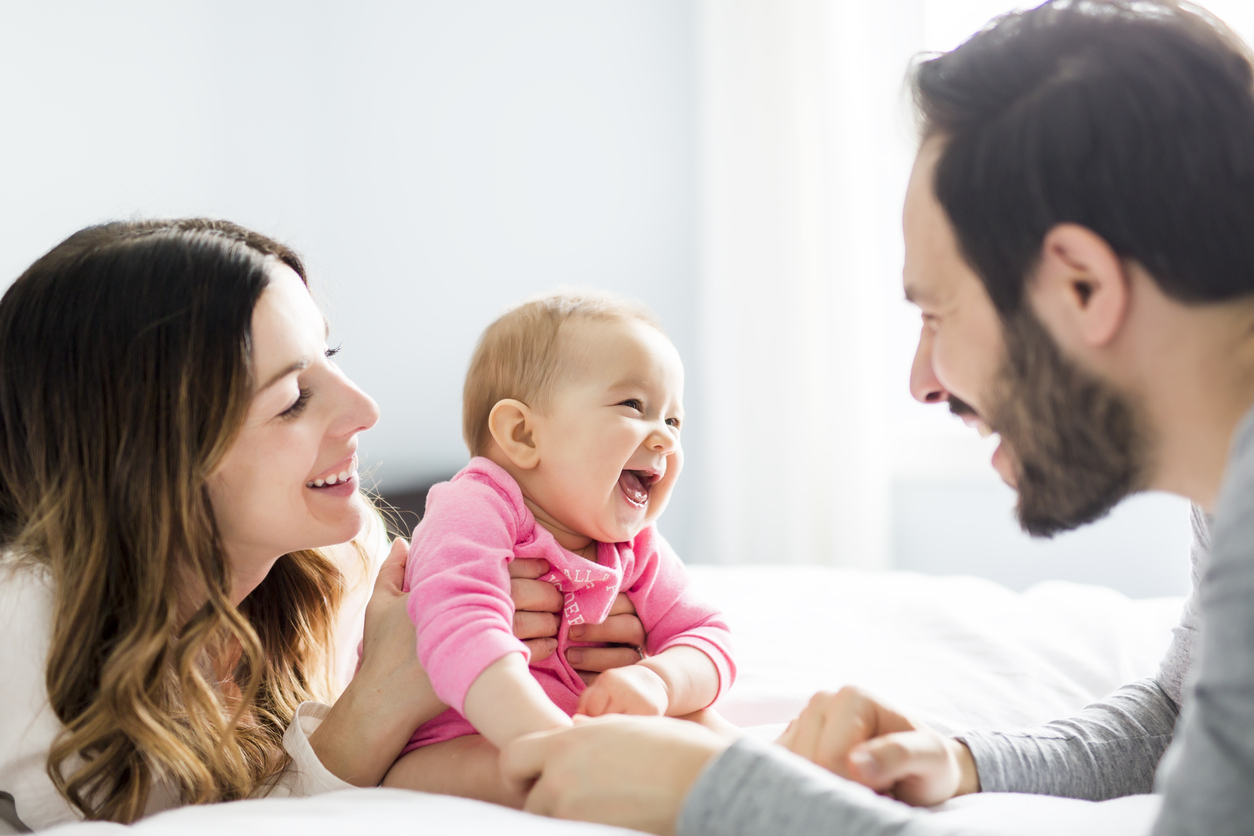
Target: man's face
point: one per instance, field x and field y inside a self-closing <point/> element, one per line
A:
<point x="1071" y="444"/>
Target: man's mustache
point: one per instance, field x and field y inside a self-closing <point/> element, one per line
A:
<point x="961" y="408"/>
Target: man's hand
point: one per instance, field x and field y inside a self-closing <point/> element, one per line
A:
<point x="631" y="690"/>
<point x="536" y="608"/>
<point x="630" y="772"/>
<point x="857" y="738"/>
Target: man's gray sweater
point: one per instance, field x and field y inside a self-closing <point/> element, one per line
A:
<point x="1203" y="755"/>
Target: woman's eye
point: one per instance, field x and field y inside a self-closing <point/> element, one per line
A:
<point x="632" y="403"/>
<point x="331" y="352"/>
<point x="299" y="406"/>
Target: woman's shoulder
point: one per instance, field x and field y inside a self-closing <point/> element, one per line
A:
<point x="25" y="602"/>
<point x="27" y="725"/>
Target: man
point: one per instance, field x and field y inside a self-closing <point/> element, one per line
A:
<point x="1079" y="235"/>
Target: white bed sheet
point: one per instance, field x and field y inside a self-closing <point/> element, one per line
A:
<point x="958" y="652"/>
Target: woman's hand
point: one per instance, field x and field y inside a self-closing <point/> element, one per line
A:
<point x="536" y="619"/>
<point x="630" y="772"/>
<point x="390" y="695"/>
<point x="858" y="738"/>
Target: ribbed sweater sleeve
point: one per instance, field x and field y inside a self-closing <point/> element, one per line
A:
<point x="1111" y="748"/>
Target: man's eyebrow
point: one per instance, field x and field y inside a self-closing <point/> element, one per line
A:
<point x="299" y="366"/>
<point x="915" y="296"/>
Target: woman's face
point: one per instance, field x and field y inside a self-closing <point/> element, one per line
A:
<point x="289" y="482"/>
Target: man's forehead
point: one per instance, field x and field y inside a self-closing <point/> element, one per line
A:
<point x="931" y="251"/>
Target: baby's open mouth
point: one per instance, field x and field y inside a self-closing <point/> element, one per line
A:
<point x="635" y="485"/>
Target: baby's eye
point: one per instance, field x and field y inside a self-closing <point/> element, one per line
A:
<point x="673" y="422"/>
<point x="632" y="403"/>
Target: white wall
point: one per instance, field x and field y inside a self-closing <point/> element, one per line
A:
<point x="434" y="161"/>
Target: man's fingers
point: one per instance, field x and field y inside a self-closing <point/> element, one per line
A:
<point x="883" y="762"/>
<point x="534" y="596"/>
<point x="786" y="738"/>
<point x="622" y="606"/>
<point x="832" y="724"/>
<point x="535" y="625"/>
<point x="529" y="568"/>
<point x="617" y="629"/>
<point x="598" y="659"/>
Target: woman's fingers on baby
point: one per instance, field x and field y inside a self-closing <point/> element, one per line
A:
<point x="534" y="596"/>
<point x="622" y="606"/>
<point x="617" y="629"/>
<point x="535" y="625"/>
<point x="598" y="659"/>
<point x="541" y="649"/>
<point x="530" y="568"/>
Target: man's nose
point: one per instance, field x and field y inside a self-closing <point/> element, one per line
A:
<point x="923" y="383"/>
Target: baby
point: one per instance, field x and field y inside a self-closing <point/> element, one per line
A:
<point x="572" y="411"/>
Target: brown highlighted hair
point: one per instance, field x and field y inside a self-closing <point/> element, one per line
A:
<point x="520" y="355"/>
<point x="1133" y="118"/>
<point x="124" y="377"/>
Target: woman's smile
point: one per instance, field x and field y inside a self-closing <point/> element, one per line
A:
<point x="343" y="474"/>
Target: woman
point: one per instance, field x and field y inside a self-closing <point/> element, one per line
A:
<point x="177" y="467"/>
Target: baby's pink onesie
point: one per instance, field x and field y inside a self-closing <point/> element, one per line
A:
<point x="458" y="582"/>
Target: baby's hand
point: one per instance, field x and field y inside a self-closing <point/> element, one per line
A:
<point x="634" y="689"/>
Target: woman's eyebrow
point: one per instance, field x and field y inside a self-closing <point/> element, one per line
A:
<point x="299" y="366"/>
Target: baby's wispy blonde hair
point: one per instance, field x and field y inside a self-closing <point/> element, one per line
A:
<point x="520" y="355"/>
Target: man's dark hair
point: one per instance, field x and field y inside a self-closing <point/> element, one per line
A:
<point x="1132" y="118"/>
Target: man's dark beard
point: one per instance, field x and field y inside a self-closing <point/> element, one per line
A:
<point x="1077" y="444"/>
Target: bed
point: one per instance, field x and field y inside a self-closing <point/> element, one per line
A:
<point x="958" y="652"/>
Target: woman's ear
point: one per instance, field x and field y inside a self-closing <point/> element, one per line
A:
<point x="1080" y="289"/>
<point x="512" y="424"/>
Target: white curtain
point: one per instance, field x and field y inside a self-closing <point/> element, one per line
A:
<point x="805" y="147"/>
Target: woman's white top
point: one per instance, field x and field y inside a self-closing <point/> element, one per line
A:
<point x="28" y="725"/>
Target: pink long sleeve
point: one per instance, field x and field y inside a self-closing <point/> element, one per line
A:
<point x="458" y="580"/>
<point x="671" y="615"/>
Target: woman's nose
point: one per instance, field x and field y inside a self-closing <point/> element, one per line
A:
<point x="360" y="412"/>
<point x="923" y="383"/>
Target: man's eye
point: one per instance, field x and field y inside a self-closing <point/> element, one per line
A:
<point x="632" y="403"/>
<point x="299" y="406"/>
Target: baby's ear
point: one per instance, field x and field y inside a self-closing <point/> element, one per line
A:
<point x="512" y="425"/>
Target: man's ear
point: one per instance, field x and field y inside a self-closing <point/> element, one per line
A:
<point x="1080" y="289"/>
<point x="512" y="424"/>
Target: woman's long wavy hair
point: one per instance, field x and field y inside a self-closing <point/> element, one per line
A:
<point x="125" y="375"/>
